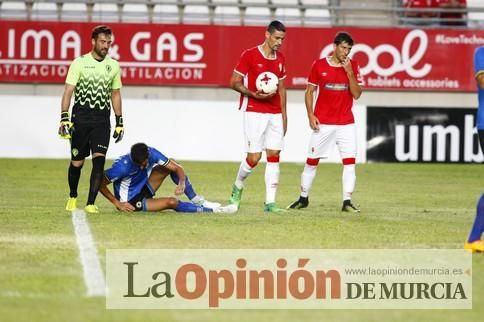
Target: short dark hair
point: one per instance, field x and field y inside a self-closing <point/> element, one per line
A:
<point x="276" y="25"/>
<point x="343" y="37"/>
<point x="102" y="29"/>
<point x="139" y="153"/>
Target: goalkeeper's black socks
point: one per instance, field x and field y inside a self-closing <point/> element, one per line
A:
<point x="73" y="175"/>
<point x="96" y="178"/>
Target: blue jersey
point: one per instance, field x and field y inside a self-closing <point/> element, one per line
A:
<point x="128" y="179"/>
<point x="478" y="69"/>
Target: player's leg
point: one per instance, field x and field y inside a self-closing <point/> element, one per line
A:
<point x="191" y="194"/>
<point x="79" y="150"/>
<point x="474" y="242"/>
<point x="144" y="200"/>
<point x="159" y="204"/>
<point x="346" y="143"/>
<point x="320" y="145"/>
<point x="254" y="127"/>
<point x="73" y="176"/>
<point x="274" y="142"/>
<point x="157" y="176"/>
<point x="245" y="169"/>
<point x="99" y="143"/>
<point x="307" y="178"/>
<point x="480" y="134"/>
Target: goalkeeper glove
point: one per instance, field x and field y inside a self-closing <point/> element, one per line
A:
<point x="65" y="126"/>
<point x="119" y="129"/>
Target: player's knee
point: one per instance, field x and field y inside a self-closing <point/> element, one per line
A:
<point x="172" y="203"/>
<point x="349" y="161"/>
<point x="160" y="170"/>
<point x="253" y="160"/>
<point x="77" y="163"/>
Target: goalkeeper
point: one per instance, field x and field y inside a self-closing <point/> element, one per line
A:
<point x="95" y="81"/>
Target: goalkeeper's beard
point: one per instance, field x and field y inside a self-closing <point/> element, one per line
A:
<point x="101" y="52"/>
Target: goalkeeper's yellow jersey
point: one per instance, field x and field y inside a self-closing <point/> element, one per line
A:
<point x="94" y="81"/>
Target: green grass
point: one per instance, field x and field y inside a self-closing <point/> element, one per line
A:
<point x="403" y="206"/>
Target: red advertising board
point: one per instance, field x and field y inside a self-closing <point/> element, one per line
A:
<point x="201" y="55"/>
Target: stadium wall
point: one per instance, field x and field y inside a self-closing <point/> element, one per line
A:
<point x="183" y="129"/>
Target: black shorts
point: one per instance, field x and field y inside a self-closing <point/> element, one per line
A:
<point x="87" y="138"/>
<point x="481" y="139"/>
<point x="139" y="201"/>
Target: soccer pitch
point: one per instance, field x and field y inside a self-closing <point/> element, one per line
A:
<point x="403" y="206"/>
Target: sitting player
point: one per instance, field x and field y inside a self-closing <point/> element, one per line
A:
<point x="137" y="176"/>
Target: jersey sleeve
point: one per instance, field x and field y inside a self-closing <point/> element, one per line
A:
<point x="313" y="74"/>
<point x="479" y="61"/>
<point x="243" y="66"/>
<point x="74" y="72"/>
<point x="116" y="84"/>
<point x="117" y="171"/>
<point x="156" y="157"/>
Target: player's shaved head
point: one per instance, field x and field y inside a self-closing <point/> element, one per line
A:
<point x="276" y="25"/>
<point x="139" y="153"/>
<point x="343" y="37"/>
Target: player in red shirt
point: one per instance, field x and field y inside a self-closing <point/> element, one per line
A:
<point x="420" y="17"/>
<point x="265" y="117"/>
<point x="336" y="81"/>
<point x="452" y="18"/>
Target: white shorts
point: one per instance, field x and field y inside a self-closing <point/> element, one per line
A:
<point x="321" y="142"/>
<point x="263" y="131"/>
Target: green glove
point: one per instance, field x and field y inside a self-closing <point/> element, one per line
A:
<point x="65" y="126"/>
<point x="119" y="129"/>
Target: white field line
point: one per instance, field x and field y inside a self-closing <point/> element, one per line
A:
<point x="93" y="274"/>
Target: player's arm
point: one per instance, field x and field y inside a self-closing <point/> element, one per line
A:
<point x="308" y="100"/>
<point x="65" y="123"/>
<point x="116" y="100"/>
<point x="122" y="206"/>
<point x="283" y="97"/>
<point x="173" y="166"/>
<point x="237" y="84"/>
<point x="66" y="97"/>
<point x="480" y="79"/>
<point x="355" y="88"/>
<point x="118" y="113"/>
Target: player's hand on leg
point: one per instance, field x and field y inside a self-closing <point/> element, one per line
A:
<point x="119" y="129"/>
<point x="180" y="188"/>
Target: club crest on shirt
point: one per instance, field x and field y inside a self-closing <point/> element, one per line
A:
<point x="109" y="68"/>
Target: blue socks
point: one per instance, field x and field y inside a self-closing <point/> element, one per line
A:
<point x="190" y="207"/>
<point x="189" y="191"/>
<point x="478" y="227"/>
